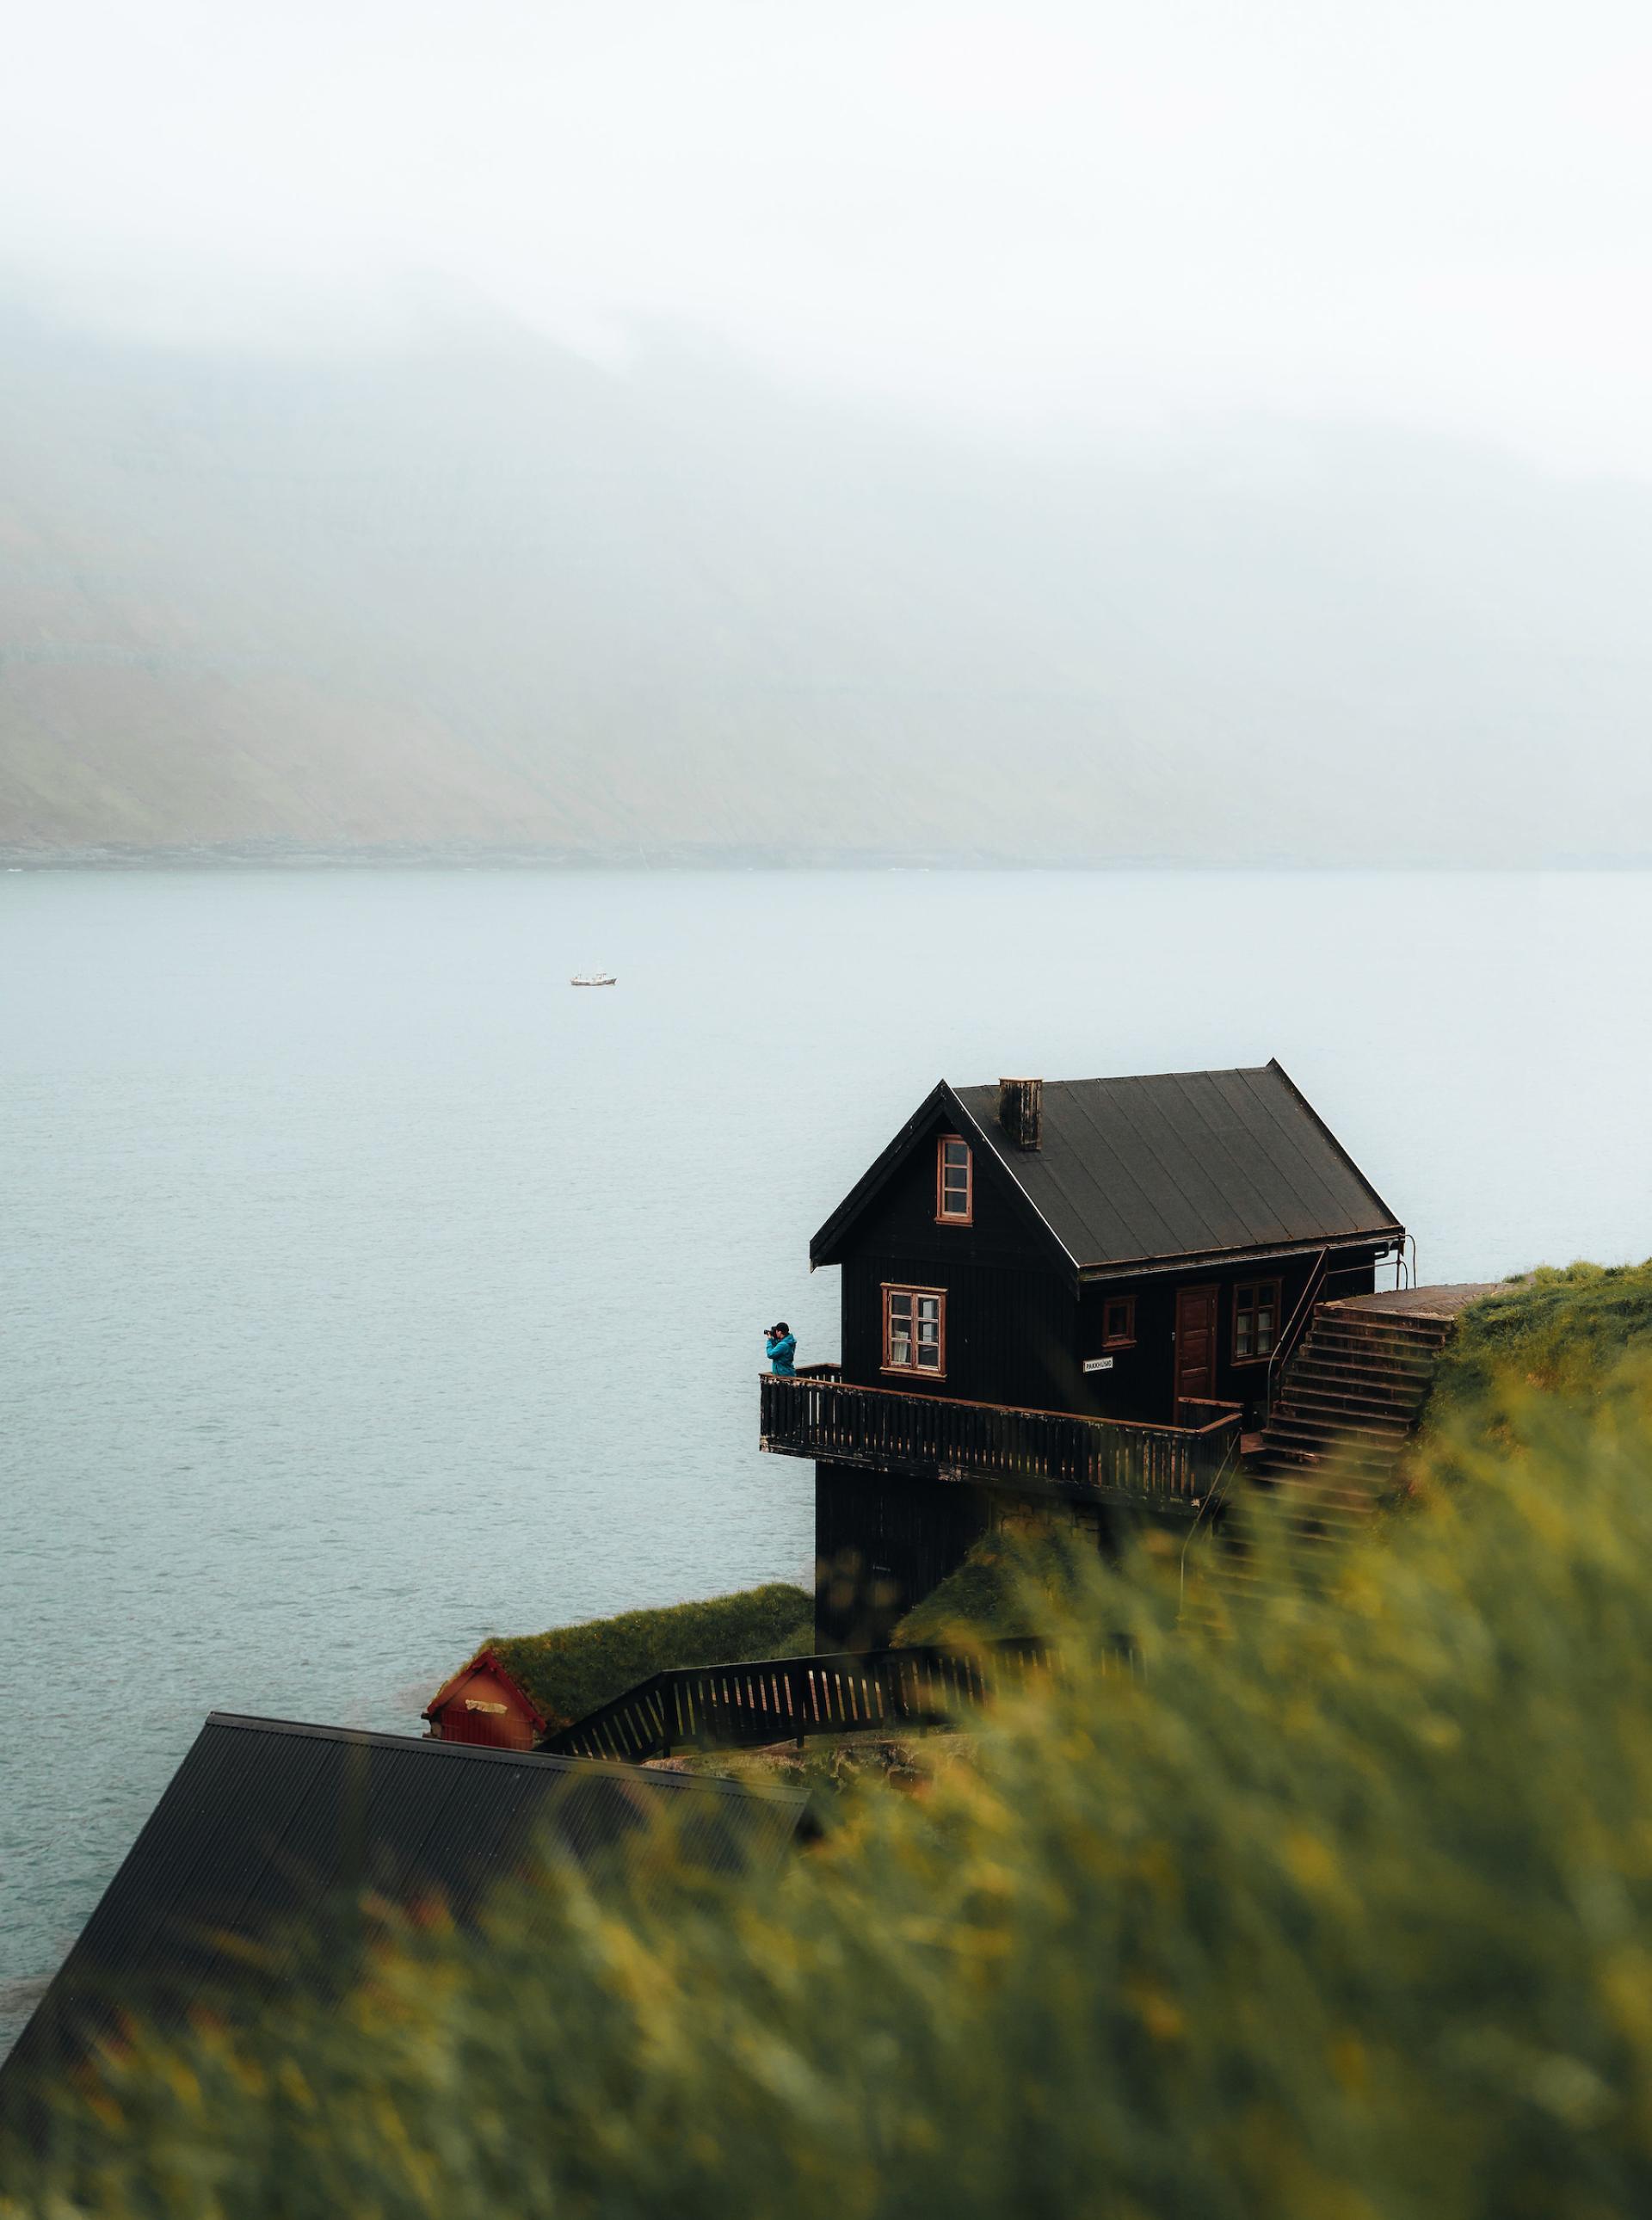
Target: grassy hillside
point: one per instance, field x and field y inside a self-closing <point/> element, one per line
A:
<point x="1341" y="1910"/>
<point x="1563" y="1332"/>
<point x="572" y="1670"/>
<point x="1345" y="1913"/>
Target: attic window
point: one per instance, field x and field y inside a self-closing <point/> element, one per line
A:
<point x="1255" y="1319"/>
<point x="955" y="1187"/>
<point x="914" y="1331"/>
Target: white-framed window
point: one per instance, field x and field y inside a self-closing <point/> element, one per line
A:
<point x="914" y="1331"/>
<point x="955" y="1181"/>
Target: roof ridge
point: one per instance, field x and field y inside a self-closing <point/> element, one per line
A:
<point x="1227" y="1161"/>
<point x="1129" y="1078"/>
<point x="1230" y="1160"/>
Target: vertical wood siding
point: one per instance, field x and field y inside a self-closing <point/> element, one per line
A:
<point x="1141" y="1382"/>
<point x="1010" y="1309"/>
<point x="881" y="1545"/>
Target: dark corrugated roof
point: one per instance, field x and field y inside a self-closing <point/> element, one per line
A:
<point x="1176" y="1168"/>
<point x="270" y="1830"/>
<point x="1183" y="1164"/>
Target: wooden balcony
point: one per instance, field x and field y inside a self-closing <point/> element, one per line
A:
<point x="1173" y="1469"/>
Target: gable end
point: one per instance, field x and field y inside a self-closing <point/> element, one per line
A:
<point x="942" y="1102"/>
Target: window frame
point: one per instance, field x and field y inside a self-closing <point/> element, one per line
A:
<point x="1127" y="1339"/>
<point x="943" y="1215"/>
<point x="1254" y="1289"/>
<point x="913" y="1370"/>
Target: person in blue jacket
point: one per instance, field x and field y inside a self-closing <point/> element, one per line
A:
<point x="780" y="1346"/>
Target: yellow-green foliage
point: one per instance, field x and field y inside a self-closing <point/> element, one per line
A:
<point x="1562" y="1331"/>
<point x="572" y="1670"/>
<point x="1343" y="1914"/>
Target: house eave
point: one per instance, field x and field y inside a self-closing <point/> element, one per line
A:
<point x="827" y="1245"/>
<point x="1143" y="1267"/>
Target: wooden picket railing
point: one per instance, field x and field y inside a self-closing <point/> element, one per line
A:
<point x="817" y="1414"/>
<point x="790" y="1698"/>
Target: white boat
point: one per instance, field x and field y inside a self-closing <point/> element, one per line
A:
<point x="593" y="979"/>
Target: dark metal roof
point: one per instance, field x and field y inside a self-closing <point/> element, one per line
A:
<point x="270" y="1832"/>
<point x="1169" y="1170"/>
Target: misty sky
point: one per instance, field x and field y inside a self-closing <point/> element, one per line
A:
<point x="1432" y="211"/>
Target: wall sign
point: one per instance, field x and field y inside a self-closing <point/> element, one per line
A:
<point x="1098" y="1364"/>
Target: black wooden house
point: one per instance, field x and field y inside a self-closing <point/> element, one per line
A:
<point x="1064" y="1300"/>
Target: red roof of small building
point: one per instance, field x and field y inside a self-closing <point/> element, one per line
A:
<point x="487" y="1660"/>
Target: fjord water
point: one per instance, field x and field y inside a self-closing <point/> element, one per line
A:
<point x="369" y="1289"/>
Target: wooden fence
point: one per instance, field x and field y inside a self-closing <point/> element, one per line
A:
<point x="789" y="1698"/>
<point x="817" y="1414"/>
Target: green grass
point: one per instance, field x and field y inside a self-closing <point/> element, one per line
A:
<point x="572" y="1670"/>
<point x="1560" y="1330"/>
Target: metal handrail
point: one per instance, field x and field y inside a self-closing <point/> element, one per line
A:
<point x="1299" y="1318"/>
<point x="1218" y="1487"/>
<point x="1285" y="1347"/>
<point x="1405" y="1274"/>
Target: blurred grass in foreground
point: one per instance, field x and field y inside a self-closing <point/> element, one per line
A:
<point x="1341" y="1914"/>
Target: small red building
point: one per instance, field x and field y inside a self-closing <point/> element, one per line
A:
<point x="483" y="1703"/>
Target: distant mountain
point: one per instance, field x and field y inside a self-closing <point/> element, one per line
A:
<point x="481" y="595"/>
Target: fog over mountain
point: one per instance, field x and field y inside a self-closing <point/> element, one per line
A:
<point x="468" y="591"/>
<point x="900" y="430"/>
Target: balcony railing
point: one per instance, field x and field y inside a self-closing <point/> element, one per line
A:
<point x="816" y="1414"/>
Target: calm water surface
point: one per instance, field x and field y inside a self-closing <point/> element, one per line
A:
<point x="369" y="1290"/>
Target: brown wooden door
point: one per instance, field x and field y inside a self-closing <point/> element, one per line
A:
<point x="1195" y="1342"/>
